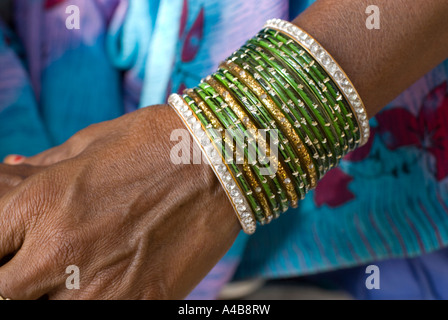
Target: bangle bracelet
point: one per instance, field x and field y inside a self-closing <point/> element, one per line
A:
<point x="293" y="162"/>
<point x="319" y="75"/>
<point x="257" y="188"/>
<point x="223" y="113"/>
<point x="296" y="60"/>
<point x="252" y="105"/>
<point x="268" y="122"/>
<point x="271" y="175"/>
<point x="199" y="104"/>
<point x="244" y="77"/>
<point x="299" y="122"/>
<point x="196" y="129"/>
<point x="281" y="171"/>
<point x="237" y="109"/>
<point x="300" y="101"/>
<point x="282" y="81"/>
<point x="323" y="112"/>
<point x="303" y="120"/>
<point x="279" y="117"/>
<point x="333" y="69"/>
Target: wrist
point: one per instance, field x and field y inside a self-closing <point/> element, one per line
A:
<point x="381" y="63"/>
<point x="195" y="203"/>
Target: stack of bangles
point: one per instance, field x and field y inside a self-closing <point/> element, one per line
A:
<point x="284" y="88"/>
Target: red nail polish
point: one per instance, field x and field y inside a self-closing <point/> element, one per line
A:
<point x="18" y="158"/>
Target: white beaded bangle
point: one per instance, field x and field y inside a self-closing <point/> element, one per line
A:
<point x="332" y="67"/>
<point x="232" y="190"/>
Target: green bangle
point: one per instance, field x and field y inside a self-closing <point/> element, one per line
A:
<point x="243" y="116"/>
<point x="335" y="72"/>
<point x="302" y="131"/>
<point x="284" y="174"/>
<point x="279" y="117"/>
<point x="320" y="77"/>
<point x="234" y="168"/>
<point x="254" y="107"/>
<point x="295" y="87"/>
<point x="297" y="98"/>
<point x="305" y="87"/>
<point x="283" y="81"/>
<point x="214" y="100"/>
<point x="298" y="121"/>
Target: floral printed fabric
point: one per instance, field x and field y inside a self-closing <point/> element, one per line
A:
<point x="388" y="199"/>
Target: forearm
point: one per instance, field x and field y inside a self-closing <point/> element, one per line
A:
<point x="412" y="39"/>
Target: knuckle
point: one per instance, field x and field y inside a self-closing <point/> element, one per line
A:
<point x="10" y="291"/>
<point x="65" y="249"/>
<point x="11" y="180"/>
<point x="37" y="200"/>
<point x="156" y="286"/>
<point x="156" y="290"/>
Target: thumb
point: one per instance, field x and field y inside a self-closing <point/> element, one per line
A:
<point x="45" y="158"/>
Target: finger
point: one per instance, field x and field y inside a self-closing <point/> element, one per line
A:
<point x="11" y="176"/>
<point x="71" y="148"/>
<point x="22" y="170"/>
<point x="12" y="223"/>
<point x="25" y="276"/>
<point x="30" y="275"/>
<point x="45" y="158"/>
<point x="54" y="155"/>
<point x="14" y="159"/>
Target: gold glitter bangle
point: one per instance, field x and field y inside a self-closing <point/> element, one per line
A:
<point x="242" y="115"/>
<point x="258" y="192"/>
<point x="207" y="112"/>
<point x="246" y="79"/>
<point x="287" y="129"/>
<point x="247" y="171"/>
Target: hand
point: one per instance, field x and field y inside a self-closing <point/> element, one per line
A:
<point x="113" y="204"/>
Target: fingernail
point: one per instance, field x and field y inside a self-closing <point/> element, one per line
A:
<point x="18" y="159"/>
<point x="14" y="159"/>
